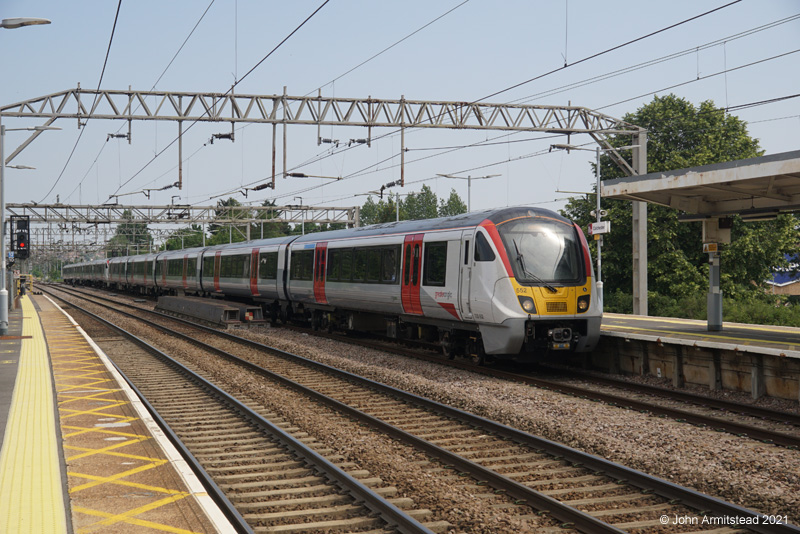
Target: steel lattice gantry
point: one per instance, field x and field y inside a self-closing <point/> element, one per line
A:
<point x="82" y="104"/>
<point x="181" y="107"/>
<point x="182" y="214"/>
<point x="71" y="231"/>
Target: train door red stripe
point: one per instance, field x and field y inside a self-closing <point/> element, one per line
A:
<point x="217" y="261"/>
<point x="254" y="272"/>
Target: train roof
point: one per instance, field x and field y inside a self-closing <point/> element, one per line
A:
<point x="464" y="220"/>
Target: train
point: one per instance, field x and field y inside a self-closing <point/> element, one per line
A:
<point x="510" y="283"/>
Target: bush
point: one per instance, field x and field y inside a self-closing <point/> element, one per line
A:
<point x="766" y="309"/>
<point x="618" y="302"/>
<point x="760" y="312"/>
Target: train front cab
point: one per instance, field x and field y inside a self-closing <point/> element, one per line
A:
<point x="543" y="302"/>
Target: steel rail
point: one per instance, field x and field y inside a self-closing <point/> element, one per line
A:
<point x="738" y="407"/>
<point x="739" y="429"/>
<point x="664" y="488"/>
<point x="216" y="494"/>
<point x="537" y="500"/>
<point x="361" y="493"/>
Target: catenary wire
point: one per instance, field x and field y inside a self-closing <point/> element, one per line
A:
<point x="174" y="57"/>
<point x="99" y="83"/>
<point x="224" y="94"/>
<point x="598" y="54"/>
<point x="606" y="51"/>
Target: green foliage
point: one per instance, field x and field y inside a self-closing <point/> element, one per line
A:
<point x="378" y="212"/>
<point x="129" y="238"/>
<point x="452" y="206"/>
<point x="185" y="238"/>
<point x="681" y="135"/>
<point x="756" y="308"/>
<point x="422" y="205"/>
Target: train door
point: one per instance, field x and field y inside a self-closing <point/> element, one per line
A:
<point x="254" y="272"/>
<point x="163" y="273"/>
<point x="320" y="262"/>
<point x="217" y="262"/>
<point x="465" y="280"/>
<point x="412" y="273"/>
<point x="185" y="272"/>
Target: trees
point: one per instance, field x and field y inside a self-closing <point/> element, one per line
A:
<point x="130" y="237"/>
<point x="452" y="206"/>
<point x="681" y="135"/>
<point x="185" y="238"/>
<point x="421" y="205"/>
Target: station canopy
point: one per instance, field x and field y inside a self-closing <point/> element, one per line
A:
<point x="755" y="188"/>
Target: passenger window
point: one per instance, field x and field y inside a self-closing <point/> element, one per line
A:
<point x="389" y="265"/>
<point x="347" y="265"/>
<point x="302" y="264"/>
<point x="244" y="266"/>
<point x="483" y="250"/>
<point x="373" y="264"/>
<point x="268" y="265"/>
<point x="208" y="266"/>
<point x="359" y="264"/>
<point x="435" y="264"/>
<point x="334" y="261"/>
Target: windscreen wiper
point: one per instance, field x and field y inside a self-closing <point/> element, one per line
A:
<point x="526" y="272"/>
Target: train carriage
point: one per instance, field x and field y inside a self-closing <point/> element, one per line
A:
<point x="511" y="282"/>
<point x="116" y="273"/>
<point x="178" y="272"/>
<point x="140" y="273"/>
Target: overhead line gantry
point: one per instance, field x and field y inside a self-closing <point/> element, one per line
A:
<point x="82" y="105"/>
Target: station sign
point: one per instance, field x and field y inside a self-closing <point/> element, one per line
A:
<point x="602" y="227"/>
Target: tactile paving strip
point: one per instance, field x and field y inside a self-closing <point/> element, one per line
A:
<point x="31" y="489"/>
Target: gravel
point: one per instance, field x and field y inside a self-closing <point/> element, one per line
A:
<point x="762" y="477"/>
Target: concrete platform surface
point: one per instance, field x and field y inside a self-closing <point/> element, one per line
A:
<point x="760" y="339"/>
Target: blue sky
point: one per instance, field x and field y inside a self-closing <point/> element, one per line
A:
<point x="477" y="49"/>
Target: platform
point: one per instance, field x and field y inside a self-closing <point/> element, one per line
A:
<point x="781" y="341"/>
<point x="760" y="360"/>
<point x="80" y="453"/>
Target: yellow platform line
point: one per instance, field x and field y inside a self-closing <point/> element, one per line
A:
<point x="31" y="488"/>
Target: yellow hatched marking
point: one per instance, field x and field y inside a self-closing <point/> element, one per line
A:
<point x="31" y="492"/>
<point x="77" y="369"/>
<point x="118" y="479"/>
<point x="107" y="431"/>
<point x="97" y="395"/>
<point x="100" y="410"/>
<point x="112" y="452"/>
<point x="129" y="517"/>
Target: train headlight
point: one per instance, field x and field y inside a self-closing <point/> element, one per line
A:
<point x="527" y="304"/>
<point x="583" y="303"/>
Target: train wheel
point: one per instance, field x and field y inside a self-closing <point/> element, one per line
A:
<point x="448" y="348"/>
<point x="477" y="354"/>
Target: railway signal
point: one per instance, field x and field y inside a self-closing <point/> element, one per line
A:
<point x="21" y="238"/>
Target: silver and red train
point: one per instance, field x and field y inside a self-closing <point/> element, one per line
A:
<point x="512" y="282"/>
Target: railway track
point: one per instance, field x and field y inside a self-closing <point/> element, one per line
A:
<point x="580" y="490"/>
<point x="744" y="420"/>
<point x="265" y="473"/>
